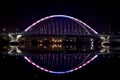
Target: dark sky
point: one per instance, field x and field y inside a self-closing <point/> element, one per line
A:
<point x="98" y="14"/>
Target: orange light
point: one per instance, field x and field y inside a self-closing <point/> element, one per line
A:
<point x="41" y="41"/>
<point x="41" y="44"/>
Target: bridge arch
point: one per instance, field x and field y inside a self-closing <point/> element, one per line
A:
<point x="63" y="24"/>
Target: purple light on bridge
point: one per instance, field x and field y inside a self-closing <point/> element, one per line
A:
<point x="61" y="24"/>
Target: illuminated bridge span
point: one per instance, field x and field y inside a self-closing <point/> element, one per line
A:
<point x="60" y="24"/>
<point x="60" y="63"/>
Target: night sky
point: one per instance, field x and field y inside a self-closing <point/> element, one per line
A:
<point x="98" y="14"/>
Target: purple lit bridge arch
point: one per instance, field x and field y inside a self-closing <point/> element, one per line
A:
<point x="65" y="25"/>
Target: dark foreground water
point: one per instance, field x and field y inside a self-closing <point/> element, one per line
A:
<point x="105" y="66"/>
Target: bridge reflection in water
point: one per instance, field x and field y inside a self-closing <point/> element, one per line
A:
<point x="59" y="63"/>
<point x="57" y="54"/>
